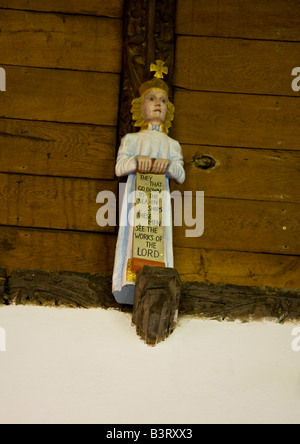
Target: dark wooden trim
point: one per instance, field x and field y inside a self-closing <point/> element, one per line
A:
<point x="149" y="35"/>
<point x="234" y="302"/>
<point x="201" y="300"/>
<point x="68" y="289"/>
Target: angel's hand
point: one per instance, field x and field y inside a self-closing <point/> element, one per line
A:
<point x="160" y="166"/>
<point x="144" y="164"/>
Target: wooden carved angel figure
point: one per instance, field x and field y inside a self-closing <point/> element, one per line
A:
<point x="153" y="158"/>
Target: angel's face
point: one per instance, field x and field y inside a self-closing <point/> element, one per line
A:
<point x="155" y="107"/>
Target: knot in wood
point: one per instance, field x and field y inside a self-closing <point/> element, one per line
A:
<point x="204" y="162"/>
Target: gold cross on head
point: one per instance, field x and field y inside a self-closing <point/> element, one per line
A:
<point x="159" y="69"/>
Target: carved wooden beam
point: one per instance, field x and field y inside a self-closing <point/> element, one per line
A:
<point x="149" y="35"/>
<point x="50" y="288"/>
<point x="211" y="301"/>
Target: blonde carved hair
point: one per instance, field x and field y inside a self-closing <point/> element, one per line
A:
<point x="137" y="113"/>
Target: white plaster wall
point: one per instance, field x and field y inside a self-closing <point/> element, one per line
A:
<point x="88" y="366"/>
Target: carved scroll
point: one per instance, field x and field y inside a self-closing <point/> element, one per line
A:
<point x="148" y="232"/>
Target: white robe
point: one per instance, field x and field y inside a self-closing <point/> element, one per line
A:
<point x="157" y="145"/>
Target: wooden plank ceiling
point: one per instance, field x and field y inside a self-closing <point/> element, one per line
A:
<point x="58" y="125"/>
<point x="237" y="119"/>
